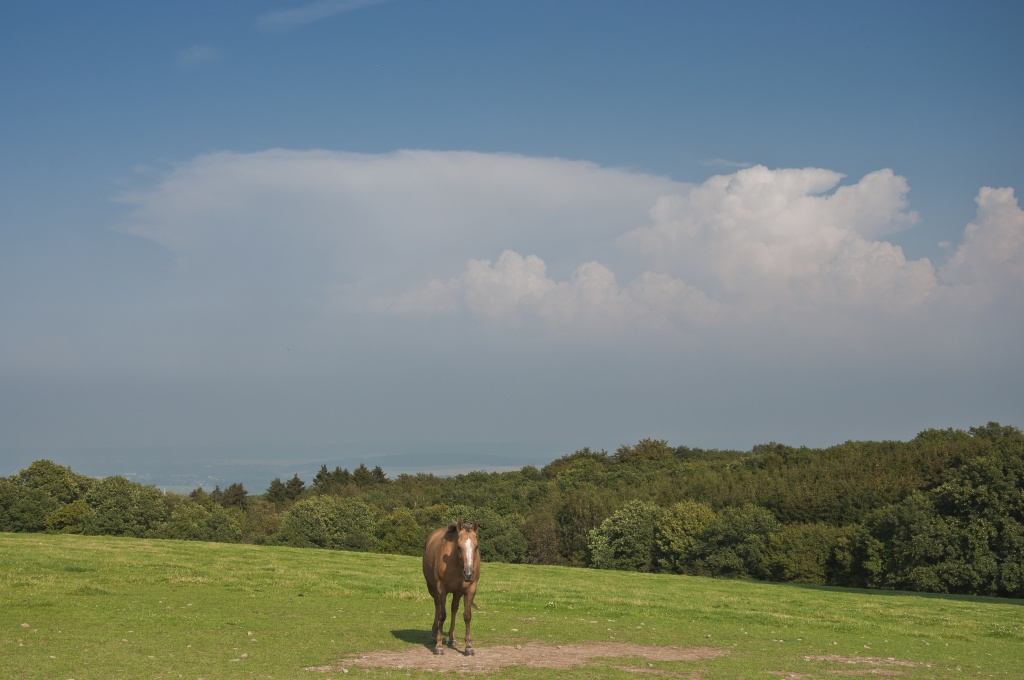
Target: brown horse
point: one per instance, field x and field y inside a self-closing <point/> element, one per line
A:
<point x="451" y="564"/>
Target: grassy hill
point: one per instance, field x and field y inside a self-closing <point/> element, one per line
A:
<point x="98" y="607"/>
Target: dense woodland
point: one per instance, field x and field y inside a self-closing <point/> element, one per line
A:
<point x="941" y="513"/>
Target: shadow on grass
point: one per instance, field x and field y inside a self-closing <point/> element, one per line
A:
<point x="415" y="636"/>
<point x="955" y="597"/>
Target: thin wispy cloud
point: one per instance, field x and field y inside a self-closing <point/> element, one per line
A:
<point x="197" y="55"/>
<point x="288" y="19"/>
<point x="725" y="163"/>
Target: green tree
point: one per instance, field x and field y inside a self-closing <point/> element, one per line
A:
<point x="646" y="450"/>
<point x="329" y="522"/>
<point x="626" y="540"/>
<point x="192" y="521"/>
<point x="294" y="487"/>
<point x="261" y="521"/>
<point x="364" y="478"/>
<point x="801" y="553"/>
<point x="963" y="536"/>
<point x="277" y="493"/>
<point x="61" y="483"/>
<point x="736" y="543"/>
<point x="399" y="533"/>
<point x="24" y="509"/>
<point x="123" y="508"/>
<point x="333" y="483"/>
<point x="582" y="510"/>
<point x="541" y="532"/>
<point x="499" y="536"/>
<point x="235" y="496"/>
<point x="72" y="518"/>
<point x="678" y="537"/>
<point x="200" y="496"/>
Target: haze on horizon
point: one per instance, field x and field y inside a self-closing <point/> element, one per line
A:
<point x="341" y="226"/>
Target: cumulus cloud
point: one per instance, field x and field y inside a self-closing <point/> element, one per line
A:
<point x="992" y="253"/>
<point x="569" y="249"/>
<point x="768" y="232"/>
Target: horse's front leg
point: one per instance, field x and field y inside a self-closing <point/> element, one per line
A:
<point x="467" y="616"/>
<point x="455" y="610"/>
<point x="436" y="633"/>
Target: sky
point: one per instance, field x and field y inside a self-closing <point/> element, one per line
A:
<point x="304" y="230"/>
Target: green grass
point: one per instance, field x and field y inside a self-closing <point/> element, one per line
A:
<point x="101" y="608"/>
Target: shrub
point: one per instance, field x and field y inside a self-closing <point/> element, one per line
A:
<point x="191" y="521"/>
<point x="678" y="537"/>
<point x="73" y="518"/>
<point x="801" y="552"/>
<point x="400" y="534"/>
<point x="327" y="522"/>
<point x="626" y="540"/>
<point x="736" y="543"/>
<point x="122" y="508"/>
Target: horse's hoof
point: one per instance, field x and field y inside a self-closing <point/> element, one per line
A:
<point x="469" y="651"/>
<point x="438" y="651"/>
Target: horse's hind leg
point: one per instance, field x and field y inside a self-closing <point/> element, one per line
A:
<point x="455" y="610"/>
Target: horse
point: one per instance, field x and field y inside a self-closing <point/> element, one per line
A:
<point x="451" y="564"/>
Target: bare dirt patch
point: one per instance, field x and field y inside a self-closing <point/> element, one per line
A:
<point x="491" y="659"/>
<point x="868" y="661"/>
<point x="879" y="667"/>
<point x="877" y="672"/>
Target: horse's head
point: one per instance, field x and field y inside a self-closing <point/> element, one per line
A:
<point x="469" y="552"/>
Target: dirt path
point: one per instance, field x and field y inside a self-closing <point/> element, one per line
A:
<point x="490" y="659"/>
<point x="561" y="657"/>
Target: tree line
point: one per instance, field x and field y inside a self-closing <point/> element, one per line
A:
<point x="943" y="512"/>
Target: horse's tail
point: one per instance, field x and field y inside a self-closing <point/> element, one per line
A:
<point x="476" y="606"/>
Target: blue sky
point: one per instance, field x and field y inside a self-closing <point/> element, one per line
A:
<point x="354" y="225"/>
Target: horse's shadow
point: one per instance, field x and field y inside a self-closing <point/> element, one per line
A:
<point x="424" y="637"/>
<point x="415" y="635"/>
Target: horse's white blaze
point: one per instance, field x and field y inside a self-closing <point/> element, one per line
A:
<point x="469" y="554"/>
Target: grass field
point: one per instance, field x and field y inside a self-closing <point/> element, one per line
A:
<point x="74" y="607"/>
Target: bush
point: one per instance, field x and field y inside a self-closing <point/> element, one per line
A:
<point x="678" y="537"/>
<point x="23" y="508"/>
<point x="261" y="521"/>
<point x="59" y="482"/>
<point x="122" y="508"/>
<point x="191" y="521"/>
<point x="626" y="540"/>
<point x="73" y="518"/>
<point x="400" y="534"/>
<point x="736" y="543"/>
<point x="801" y="552"/>
<point x="327" y="522"/>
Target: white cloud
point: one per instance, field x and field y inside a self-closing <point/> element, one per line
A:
<point x="742" y="250"/>
<point x="725" y="163"/>
<point x="992" y="253"/>
<point x="384" y="221"/>
<point x="777" y="233"/>
<point x="568" y="249"/>
<point x="283" y="20"/>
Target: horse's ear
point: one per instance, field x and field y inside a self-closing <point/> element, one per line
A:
<point x="475" y="525"/>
